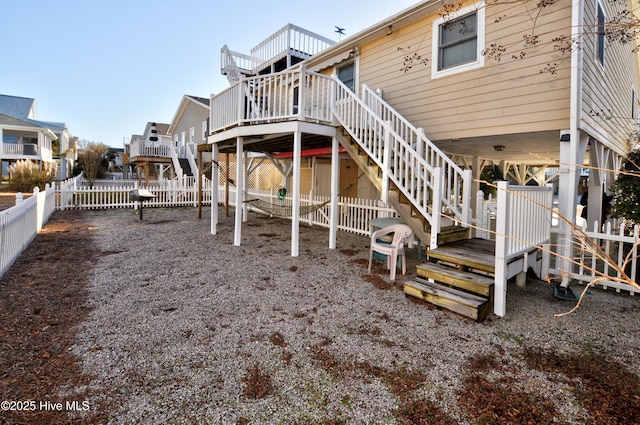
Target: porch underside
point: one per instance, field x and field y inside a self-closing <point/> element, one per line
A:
<point x="274" y="138"/>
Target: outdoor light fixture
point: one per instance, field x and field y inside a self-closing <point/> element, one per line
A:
<point x="498" y="148"/>
<point x="566" y="137"/>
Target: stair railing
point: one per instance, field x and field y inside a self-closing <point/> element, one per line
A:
<point x="421" y="171"/>
<point x="175" y="161"/>
<point x="192" y="158"/>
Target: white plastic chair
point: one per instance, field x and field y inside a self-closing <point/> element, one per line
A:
<point x="401" y="232"/>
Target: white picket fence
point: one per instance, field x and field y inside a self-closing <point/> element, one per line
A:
<point x="608" y="254"/>
<point x="354" y="214"/>
<point x="20" y="224"/>
<point x="105" y="194"/>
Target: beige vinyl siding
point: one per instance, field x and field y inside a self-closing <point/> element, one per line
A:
<point x="502" y="97"/>
<point x="193" y="116"/>
<point x="607" y="90"/>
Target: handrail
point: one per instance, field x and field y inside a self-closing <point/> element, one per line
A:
<point x="453" y="174"/>
<point x="413" y="162"/>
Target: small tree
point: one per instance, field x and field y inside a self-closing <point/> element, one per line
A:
<point x="91" y="159"/>
<point x="626" y="190"/>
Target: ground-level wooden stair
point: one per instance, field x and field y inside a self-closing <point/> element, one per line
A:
<point x="458" y="277"/>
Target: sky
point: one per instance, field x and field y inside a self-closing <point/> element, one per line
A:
<point x="107" y="68"/>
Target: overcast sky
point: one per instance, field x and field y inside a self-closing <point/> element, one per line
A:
<point x="107" y="68"/>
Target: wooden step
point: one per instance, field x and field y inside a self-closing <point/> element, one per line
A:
<point x="452" y="234"/>
<point x="450" y="276"/>
<point x="463" y="303"/>
<point x="476" y="254"/>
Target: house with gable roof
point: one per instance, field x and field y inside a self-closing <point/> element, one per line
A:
<point x="166" y="151"/>
<point x="24" y="136"/>
<point x="427" y="99"/>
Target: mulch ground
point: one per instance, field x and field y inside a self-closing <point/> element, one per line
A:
<point x="42" y="298"/>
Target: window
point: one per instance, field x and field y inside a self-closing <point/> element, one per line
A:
<point x="347" y="74"/>
<point x="600" y="33"/>
<point x="458" y="42"/>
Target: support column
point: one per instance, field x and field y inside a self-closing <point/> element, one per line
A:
<point x="215" y="178"/>
<point x="244" y="186"/>
<point x="335" y="179"/>
<point x="295" y="207"/>
<point x="572" y="155"/>
<point x="237" y="234"/>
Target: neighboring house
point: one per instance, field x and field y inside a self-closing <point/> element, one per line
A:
<point x="150" y="154"/>
<point x="425" y="100"/>
<point x="189" y="130"/>
<point x="24" y="136"/>
<point x="166" y="151"/>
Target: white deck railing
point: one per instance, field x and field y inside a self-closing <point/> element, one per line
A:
<point x="274" y="97"/>
<point x="20" y="224"/>
<point x="523" y="225"/>
<point x="290" y="39"/>
<point x="150" y="149"/>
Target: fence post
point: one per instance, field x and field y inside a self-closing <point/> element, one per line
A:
<point x="19" y="198"/>
<point x="481" y="221"/>
<point x="500" y="276"/>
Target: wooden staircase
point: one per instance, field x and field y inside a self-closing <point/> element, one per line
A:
<point x="416" y="221"/>
<point x="458" y="277"/>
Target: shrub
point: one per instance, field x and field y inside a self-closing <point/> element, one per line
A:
<point x="25" y="175"/>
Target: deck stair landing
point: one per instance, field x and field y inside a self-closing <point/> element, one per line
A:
<point x="458" y="277"/>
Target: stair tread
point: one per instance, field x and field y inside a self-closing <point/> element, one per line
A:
<point x="434" y="270"/>
<point x="473" y="253"/>
<point x="447" y="292"/>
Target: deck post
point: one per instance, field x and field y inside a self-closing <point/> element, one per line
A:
<point x="237" y="234"/>
<point x="436" y="218"/>
<point x="500" y="276"/>
<point x="335" y="178"/>
<point x="215" y="178"/>
<point x="295" y="207"/>
<point x="386" y="162"/>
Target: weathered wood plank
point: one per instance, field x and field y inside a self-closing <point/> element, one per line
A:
<point x="460" y="302"/>
<point x="481" y="285"/>
<point x="476" y="254"/>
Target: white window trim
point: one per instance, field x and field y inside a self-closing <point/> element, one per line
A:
<point x="479" y="8"/>
<point x="599" y="5"/>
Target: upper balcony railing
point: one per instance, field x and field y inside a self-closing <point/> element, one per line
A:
<point x="159" y="149"/>
<point x="290" y="39"/>
<point x="28" y="150"/>
<point x="287" y="95"/>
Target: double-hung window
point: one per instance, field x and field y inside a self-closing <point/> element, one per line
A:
<point x="458" y="42"/>
<point x="347" y="74"/>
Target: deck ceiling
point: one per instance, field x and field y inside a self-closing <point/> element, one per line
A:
<point x="274" y="144"/>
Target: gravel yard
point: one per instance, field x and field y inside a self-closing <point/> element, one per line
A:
<point x="175" y="325"/>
